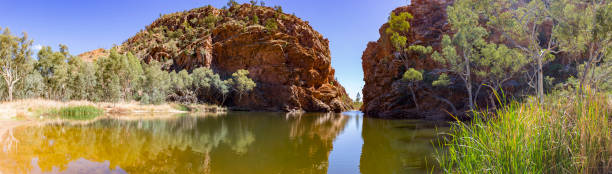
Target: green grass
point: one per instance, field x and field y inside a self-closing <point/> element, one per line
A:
<point x="182" y="107"/>
<point x="568" y="134"/>
<point x="79" y="112"/>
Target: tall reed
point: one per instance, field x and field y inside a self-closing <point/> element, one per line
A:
<point x="567" y="134"/>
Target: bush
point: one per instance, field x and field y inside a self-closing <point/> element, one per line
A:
<point x="271" y="25"/>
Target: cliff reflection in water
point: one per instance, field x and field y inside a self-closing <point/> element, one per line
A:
<point x="399" y="146"/>
<point x="233" y="143"/>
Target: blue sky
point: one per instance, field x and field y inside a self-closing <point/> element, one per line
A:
<point x="85" y="25"/>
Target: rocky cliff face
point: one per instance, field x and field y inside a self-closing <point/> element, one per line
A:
<point x="384" y="95"/>
<point x="289" y="61"/>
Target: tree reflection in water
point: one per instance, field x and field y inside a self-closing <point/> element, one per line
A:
<point x="238" y="142"/>
<point x="233" y="143"/>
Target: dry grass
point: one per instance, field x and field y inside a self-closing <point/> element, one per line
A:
<point x="28" y="109"/>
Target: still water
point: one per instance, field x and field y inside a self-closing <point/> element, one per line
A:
<point x="236" y="142"/>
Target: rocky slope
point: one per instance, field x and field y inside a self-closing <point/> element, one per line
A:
<point x="286" y="57"/>
<point x="384" y="95"/>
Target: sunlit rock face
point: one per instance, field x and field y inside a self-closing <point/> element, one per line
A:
<point x="384" y="95"/>
<point x="212" y="144"/>
<point x="290" y="62"/>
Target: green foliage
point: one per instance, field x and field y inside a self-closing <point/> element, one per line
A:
<point x="271" y="24"/>
<point x="15" y="54"/>
<point x="586" y="29"/>
<point x="109" y="88"/>
<point x="241" y="83"/>
<point x="156" y="84"/>
<point x="442" y="80"/>
<point x="32" y="86"/>
<point x="80" y="112"/>
<point x="82" y="80"/>
<point x="181" y="80"/>
<point x="209" y="86"/>
<point x="202" y="77"/>
<point x="255" y="20"/>
<point x="412" y="75"/>
<point x="398" y="41"/>
<point x="398" y="24"/>
<point x="420" y="50"/>
<point x="54" y="70"/>
<point x="210" y="21"/>
<point x="498" y="64"/>
<point x="119" y="76"/>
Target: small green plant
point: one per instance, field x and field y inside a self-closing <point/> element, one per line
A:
<point x="271" y="25"/>
<point x="79" y="112"/>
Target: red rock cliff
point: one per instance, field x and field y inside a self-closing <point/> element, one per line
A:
<point x="286" y="57"/>
<point x="384" y="95"/>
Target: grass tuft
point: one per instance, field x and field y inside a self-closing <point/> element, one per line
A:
<point x="567" y="134"/>
<point x="79" y="112"/>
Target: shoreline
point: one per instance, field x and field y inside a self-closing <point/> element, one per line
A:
<point x="38" y="109"/>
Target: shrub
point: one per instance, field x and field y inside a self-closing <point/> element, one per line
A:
<point x="271" y="25"/>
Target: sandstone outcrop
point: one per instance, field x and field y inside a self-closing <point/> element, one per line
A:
<point x="384" y="95"/>
<point x="286" y="57"/>
<point x="91" y="56"/>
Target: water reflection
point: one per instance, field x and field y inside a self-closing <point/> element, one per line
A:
<point x="398" y="146"/>
<point x="237" y="142"/>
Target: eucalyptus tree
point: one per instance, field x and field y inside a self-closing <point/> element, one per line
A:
<point x="208" y="86"/>
<point x="241" y="83"/>
<point x="132" y="75"/>
<point x="527" y="27"/>
<point x="399" y="27"/>
<point x="497" y="64"/>
<point x="458" y="53"/>
<point x="119" y="76"/>
<point x="413" y="77"/>
<point x="14" y="55"/>
<point x="155" y="85"/>
<point x="585" y="31"/>
<point x="54" y="70"/>
<point x="82" y="79"/>
<point x="109" y="86"/>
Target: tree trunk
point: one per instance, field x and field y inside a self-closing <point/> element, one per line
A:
<point x="10" y="92"/>
<point x="586" y="70"/>
<point x="414" y="98"/>
<point x="540" y="80"/>
<point x="468" y="82"/>
<point x="444" y="100"/>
